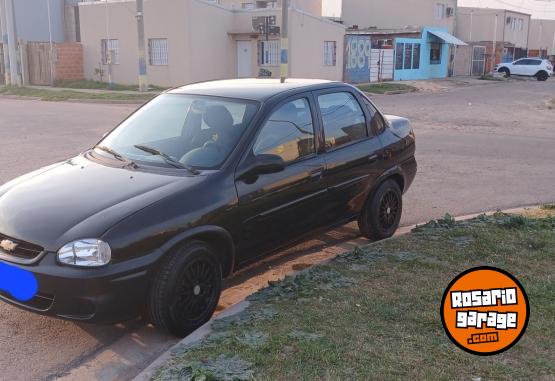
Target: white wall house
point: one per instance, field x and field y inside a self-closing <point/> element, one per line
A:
<point x="196" y="40"/>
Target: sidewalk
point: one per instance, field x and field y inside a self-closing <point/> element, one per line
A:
<point x="59" y="94"/>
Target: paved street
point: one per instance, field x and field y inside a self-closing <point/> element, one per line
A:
<point x="479" y="148"/>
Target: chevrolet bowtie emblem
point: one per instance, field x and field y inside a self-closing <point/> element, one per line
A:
<point x="8" y="245"/>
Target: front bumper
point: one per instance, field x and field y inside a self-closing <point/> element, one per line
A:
<point x="109" y="294"/>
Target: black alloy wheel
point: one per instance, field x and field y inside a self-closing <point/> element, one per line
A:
<point x="381" y="215"/>
<point x="186" y="289"/>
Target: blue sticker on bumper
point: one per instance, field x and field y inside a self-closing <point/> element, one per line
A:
<point x="21" y="284"/>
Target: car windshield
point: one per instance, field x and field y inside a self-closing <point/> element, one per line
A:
<point x="195" y="131"/>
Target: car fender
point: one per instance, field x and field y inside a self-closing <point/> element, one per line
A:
<point x="204" y="232"/>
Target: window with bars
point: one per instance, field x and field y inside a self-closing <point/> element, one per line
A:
<point x="269" y="53"/>
<point x="158" y="51"/>
<point x="110" y="51"/>
<point x="330" y="53"/>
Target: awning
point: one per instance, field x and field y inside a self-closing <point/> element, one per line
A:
<point x="448" y="38"/>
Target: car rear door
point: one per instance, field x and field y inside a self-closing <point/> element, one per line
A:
<point x="533" y="66"/>
<point x="352" y="150"/>
<point x="277" y="208"/>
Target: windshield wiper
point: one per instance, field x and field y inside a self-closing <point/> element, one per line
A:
<point x="167" y="158"/>
<point x="115" y="154"/>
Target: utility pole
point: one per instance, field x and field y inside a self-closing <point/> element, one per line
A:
<point x="4" y="40"/>
<point x="143" y="80"/>
<point x="12" y="41"/>
<point x="471" y="25"/>
<point x="51" y="45"/>
<point x="107" y="51"/>
<point x="284" y="40"/>
<point x="494" y="41"/>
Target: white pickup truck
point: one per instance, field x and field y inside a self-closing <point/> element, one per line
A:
<point x="539" y="68"/>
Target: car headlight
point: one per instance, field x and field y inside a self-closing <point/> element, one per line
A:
<point x="85" y="253"/>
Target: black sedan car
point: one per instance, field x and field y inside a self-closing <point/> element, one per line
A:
<point x="197" y="183"/>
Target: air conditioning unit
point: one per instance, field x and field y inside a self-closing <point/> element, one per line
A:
<point x="450" y="12"/>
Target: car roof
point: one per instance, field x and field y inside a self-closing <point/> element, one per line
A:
<point x="253" y="89"/>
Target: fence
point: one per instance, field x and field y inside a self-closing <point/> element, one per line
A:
<point x="66" y="62"/>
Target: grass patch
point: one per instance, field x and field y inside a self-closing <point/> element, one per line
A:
<point x="548" y="207"/>
<point x="489" y="77"/>
<point x="382" y="88"/>
<point x="373" y="314"/>
<point x="97" y="85"/>
<point x="64" y="95"/>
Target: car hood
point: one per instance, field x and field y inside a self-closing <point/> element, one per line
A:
<point x="78" y="199"/>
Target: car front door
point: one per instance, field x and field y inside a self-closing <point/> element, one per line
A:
<point x="279" y="207"/>
<point x="520" y="67"/>
<point x="352" y="151"/>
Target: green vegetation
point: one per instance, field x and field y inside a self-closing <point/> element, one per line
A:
<point x="97" y="85"/>
<point x="373" y="314"/>
<point x="64" y="95"/>
<point x="489" y="77"/>
<point x="548" y="206"/>
<point x="384" y="88"/>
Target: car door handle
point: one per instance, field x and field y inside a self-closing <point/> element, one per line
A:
<point x="316" y="174"/>
<point x="387" y="154"/>
<point x="372" y="158"/>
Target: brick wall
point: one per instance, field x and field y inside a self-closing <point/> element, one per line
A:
<point x="69" y="61"/>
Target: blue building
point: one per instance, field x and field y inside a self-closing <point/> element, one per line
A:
<point x="424" y="57"/>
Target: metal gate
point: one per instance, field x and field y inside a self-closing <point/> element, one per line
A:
<point x="38" y="56"/>
<point x="381" y="65"/>
<point x="478" y="60"/>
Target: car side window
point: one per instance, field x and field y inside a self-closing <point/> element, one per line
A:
<point x="376" y="122"/>
<point x="535" y="62"/>
<point x="288" y="133"/>
<point x="344" y="121"/>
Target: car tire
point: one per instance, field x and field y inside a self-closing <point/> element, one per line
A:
<point x="381" y="215"/>
<point x="542" y="76"/>
<point x="506" y="72"/>
<point x="186" y="289"/>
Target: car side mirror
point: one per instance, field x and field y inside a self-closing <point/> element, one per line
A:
<point x="261" y="165"/>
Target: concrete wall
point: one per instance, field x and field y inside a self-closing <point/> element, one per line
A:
<point x="168" y="21"/>
<point x="308" y="34"/>
<point x="211" y="53"/>
<point x="542" y="35"/>
<point x="477" y="24"/>
<point x="396" y="14"/>
<point x="31" y="17"/>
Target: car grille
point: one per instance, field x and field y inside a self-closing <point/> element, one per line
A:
<point x="24" y="252"/>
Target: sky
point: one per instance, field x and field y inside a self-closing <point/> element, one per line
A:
<point x="544" y="9"/>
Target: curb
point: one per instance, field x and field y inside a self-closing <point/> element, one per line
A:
<point x="206" y="329"/>
<point x="197" y="335"/>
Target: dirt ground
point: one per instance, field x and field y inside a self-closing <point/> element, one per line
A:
<point x="480" y="146"/>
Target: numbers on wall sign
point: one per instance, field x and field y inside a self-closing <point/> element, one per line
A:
<point x="358" y="53"/>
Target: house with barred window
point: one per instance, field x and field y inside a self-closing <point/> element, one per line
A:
<point x="197" y="40"/>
